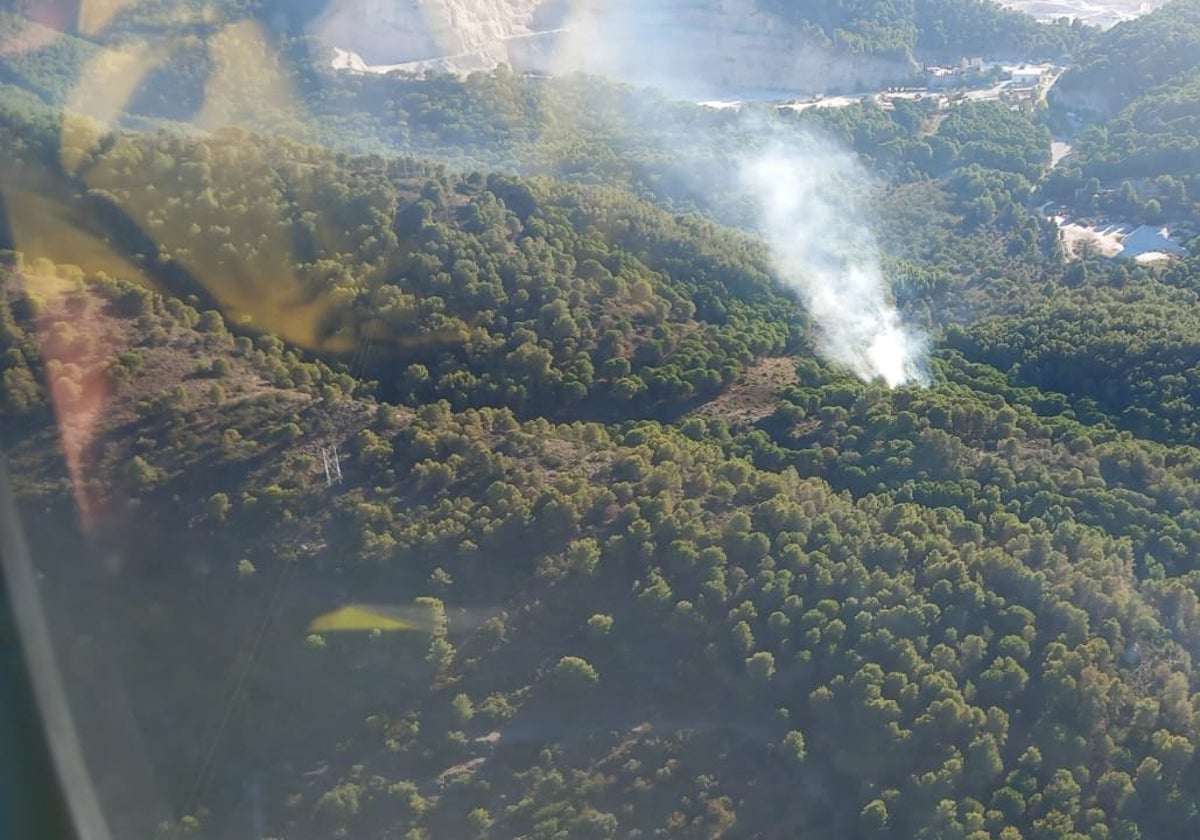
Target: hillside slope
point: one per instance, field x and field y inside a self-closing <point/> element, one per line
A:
<point x="543" y="297"/>
<point x="1136" y="91"/>
<point x="372" y="498"/>
<point x="698" y="48"/>
<point x="875" y="612"/>
<point x="1133" y="59"/>
<point x="884" y="611"/>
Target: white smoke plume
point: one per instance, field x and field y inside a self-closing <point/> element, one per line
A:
<point x="811" y="212"/>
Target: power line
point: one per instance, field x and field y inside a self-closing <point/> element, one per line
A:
<point x="204" y="774"/>
<point x="332" y="463"/>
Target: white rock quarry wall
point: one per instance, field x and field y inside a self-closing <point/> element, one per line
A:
<point x="687" y="47"/>
<point x="399" y="31"/>
<point x="716" y="45"/>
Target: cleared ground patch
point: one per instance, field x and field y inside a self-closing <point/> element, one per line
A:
<point x="754" y="394"/>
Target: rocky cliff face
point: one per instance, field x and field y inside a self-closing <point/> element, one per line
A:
<point x="688" y="47"/>
<point x="400" y="31"/>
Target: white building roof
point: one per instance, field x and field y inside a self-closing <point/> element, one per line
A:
<point x="1150" y="239"/>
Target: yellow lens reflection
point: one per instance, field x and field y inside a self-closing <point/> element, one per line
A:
<point x="246" y="81"/>
<point x="359" y="618"/>
<point x="95" y="15"/>
<point x="107" y="84"/>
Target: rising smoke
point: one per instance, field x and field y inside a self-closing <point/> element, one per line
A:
<point x="807" y="191"/>
<point x="808" y="196"/>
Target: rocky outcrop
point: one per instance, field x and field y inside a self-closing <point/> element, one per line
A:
<point x="687" y="47"/>
<point x="401" y="31"/>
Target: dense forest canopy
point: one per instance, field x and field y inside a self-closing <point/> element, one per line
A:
<point x="929" y="27"/>
<point x="1134" y="59"/>
<point x="650" y="565"/>
<point x="460" y="282"/>
<point x="1140" y="81"/>
<point x="870" y="571"/>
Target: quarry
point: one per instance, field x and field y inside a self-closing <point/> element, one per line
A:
<point x="711" y="49"/>
<point x="708" y="48"/>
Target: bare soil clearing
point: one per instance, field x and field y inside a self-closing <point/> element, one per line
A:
<point x="754" y="395"/>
